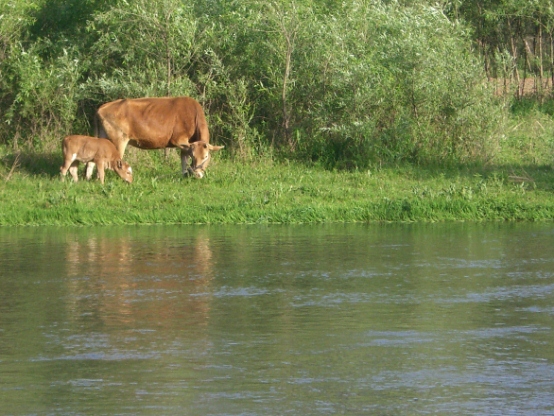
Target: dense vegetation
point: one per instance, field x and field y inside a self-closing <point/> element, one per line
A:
<point x="359" y="86"/>
<point x="345" y="84"/>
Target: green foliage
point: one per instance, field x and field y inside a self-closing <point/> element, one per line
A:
<point x="15" y="20"/>
<point x="345" y="85"/>
<point x="368" y="83"/>
<point x="226" y="99"/>
<point x="47" y="97"/>
<point x="62" y="20"/>
<point x="144" y="48"/>
<point x="398" y="84"/>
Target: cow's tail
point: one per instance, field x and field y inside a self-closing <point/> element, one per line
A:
<point x="99" y="130"/>
<point x="202" y="133"/>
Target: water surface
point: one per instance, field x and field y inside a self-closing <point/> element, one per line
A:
<point x="275" y="320"/>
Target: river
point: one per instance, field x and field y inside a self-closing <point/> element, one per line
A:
<point x="449" y="319"/>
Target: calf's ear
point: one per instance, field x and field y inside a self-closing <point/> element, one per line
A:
<point x="215" y="148"/>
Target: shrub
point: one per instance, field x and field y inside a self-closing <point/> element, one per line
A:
<point x="391" y="83"/>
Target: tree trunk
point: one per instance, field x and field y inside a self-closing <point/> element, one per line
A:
<point x="286" y="114"/>
<point x="516" y="71"/>
<point x="541" y="68"/>
<point x="552" y="60"/>
<point x="529" y="66"/>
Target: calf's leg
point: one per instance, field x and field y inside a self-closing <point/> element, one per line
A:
<point x="90" y="170"/>
<point x="72" y="166"/>
<point x="73" y="170"/>
<point x="100" y="172"/>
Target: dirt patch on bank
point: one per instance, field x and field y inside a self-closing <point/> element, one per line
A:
<point x="527" y="86"/>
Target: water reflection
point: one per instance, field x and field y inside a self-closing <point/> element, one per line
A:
<point x="142" y="281"/>
<point x="342" y="319"/>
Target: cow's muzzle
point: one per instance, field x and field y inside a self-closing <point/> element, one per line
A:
<point x="196" y="172"/>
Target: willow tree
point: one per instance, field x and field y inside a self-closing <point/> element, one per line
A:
<point x="38" y="80"/>
<point x="384" y="82"/>
<point x="143" y="48"/>
<point x="15" y="20"/>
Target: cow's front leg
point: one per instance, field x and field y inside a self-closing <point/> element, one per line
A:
<point x="185" y="163"/>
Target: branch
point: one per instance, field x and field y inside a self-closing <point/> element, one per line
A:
<point x="14" y="167"/>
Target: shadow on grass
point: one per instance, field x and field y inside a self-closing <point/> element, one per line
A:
<point x="35" y="164"/>
<point x="47" y="165"/>
<point x="540" y="176"/>
<point x="536" y="176"/>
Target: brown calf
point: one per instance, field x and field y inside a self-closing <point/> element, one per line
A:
<point x="93" y="151"/>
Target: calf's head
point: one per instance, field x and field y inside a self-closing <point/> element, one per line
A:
<point x="124" y="171"/>
<point x="199" y="152"/>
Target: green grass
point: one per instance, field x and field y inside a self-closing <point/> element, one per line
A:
<point x="268" y="192"/>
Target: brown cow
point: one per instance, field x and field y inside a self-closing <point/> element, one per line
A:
<point x="93" y="151"/>
<point x="157" y="123"/>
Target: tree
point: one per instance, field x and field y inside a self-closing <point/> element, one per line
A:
<point x="143" y="48"/>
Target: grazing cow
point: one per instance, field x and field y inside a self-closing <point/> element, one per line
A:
<point x="93" y="151"/>
<point x="157" y="123"/>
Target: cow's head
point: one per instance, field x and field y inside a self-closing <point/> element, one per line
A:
<point x="124" y="170"/>
<point x="199" y="152"/>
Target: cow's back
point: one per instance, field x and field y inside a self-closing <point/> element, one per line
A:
<point x="153" y="123"/>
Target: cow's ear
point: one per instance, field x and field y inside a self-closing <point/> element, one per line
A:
<point x="215" y="148"/>
<point x="119" y="164"/>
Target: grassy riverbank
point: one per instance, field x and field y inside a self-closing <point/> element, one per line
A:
<point x="268" y="192"/>
<point x="388" y="88"/>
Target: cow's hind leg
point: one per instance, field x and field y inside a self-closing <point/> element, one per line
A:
<point x="121" y="145"/>
<point x="116" y="135"/>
